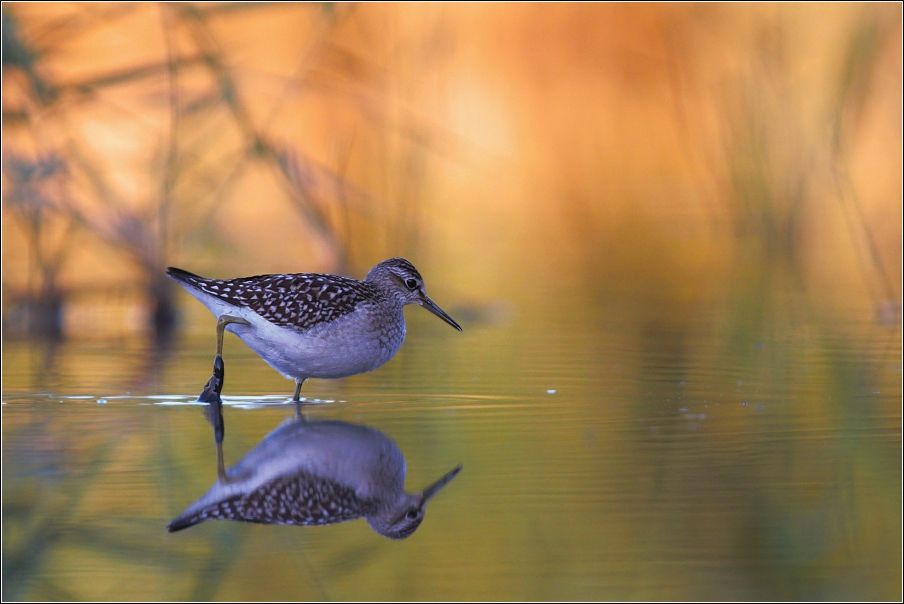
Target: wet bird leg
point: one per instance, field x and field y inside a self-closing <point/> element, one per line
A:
<point x="297" y="396"/>
<point x="214" y="411"/>
<point x="222" y="322"/>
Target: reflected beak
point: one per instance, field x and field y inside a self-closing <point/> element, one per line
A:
<point x="434" y="488"/>
<point x="439" y="312"/>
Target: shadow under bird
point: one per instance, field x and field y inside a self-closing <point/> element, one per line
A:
<point x="310" y="325"/>
<point x="317" y="473"/>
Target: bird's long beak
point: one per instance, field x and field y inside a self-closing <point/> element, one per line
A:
<point x="434" y="488"/>
<point x="439" y="312"/>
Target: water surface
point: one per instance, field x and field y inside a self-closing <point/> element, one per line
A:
<point x="616" y="454"/>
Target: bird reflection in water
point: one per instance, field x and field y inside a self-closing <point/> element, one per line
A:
<point x="312" y="473"/>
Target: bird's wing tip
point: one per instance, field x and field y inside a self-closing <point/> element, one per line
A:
<point x="179" y="274"/>
<point x="181" y="523"/>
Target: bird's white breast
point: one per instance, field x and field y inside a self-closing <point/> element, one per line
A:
<point x="355" y="343"/>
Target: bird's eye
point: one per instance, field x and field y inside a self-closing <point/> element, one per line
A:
<point x="411" y="283"/>
<point x="412" y="514"/>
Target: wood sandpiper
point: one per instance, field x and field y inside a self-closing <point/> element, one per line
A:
<point x="310" y="325"/>
<point x="316" y="473"/>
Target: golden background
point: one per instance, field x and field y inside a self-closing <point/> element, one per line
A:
<point x="645" y="216"/>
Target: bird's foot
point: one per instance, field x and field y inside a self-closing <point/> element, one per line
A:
<point x="214" y="386"/>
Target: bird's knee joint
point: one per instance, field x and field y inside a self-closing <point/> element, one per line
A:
<point x="225" y="320"/>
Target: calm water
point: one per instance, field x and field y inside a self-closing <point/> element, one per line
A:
<point x="609" y="453"/>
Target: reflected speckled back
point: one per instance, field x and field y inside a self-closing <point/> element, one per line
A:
<point x="316" y="473"/>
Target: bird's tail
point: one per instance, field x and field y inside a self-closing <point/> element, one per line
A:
<point x="183" y="522"/>
<point x="182" y="276"/>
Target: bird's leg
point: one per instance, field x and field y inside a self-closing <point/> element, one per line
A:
<point x="214" y="411"/>
<point x="214" y="386"/>
<point x="299" y="416"/>
<point x="221" y="467"/>
<point x="215" y="416"/>
<point x="222" y="322"/>
<point x="219" y="431"/>
<point x="212" y="391"/>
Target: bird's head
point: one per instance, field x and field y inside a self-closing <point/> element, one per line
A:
<point x="398" y="278"/>
<point x="400" y="520"/>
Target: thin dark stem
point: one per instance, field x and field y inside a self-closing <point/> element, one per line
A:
<point x="170" y="166"/>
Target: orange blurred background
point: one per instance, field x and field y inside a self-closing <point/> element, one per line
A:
<point x="627" y="150"/>
<point x="645" y="216"/>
